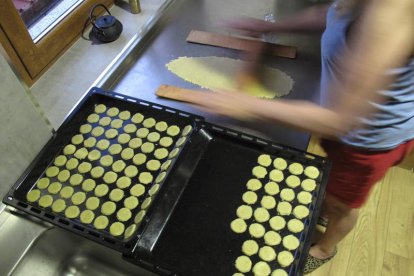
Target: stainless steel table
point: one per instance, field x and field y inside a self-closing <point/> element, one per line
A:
<point x="143" y="69"/>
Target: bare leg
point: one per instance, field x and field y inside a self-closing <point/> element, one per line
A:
<point x="341" y="221"/>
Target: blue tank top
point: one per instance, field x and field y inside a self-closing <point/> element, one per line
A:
<point x="393" y="121"/>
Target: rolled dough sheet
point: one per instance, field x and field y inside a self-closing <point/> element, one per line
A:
<point x="218" y="73"/>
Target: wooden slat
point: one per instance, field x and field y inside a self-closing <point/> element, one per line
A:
<point x="179" y="94"/>
<point x="237" y="43"/>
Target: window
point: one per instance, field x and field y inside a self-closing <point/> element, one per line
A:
<point x="34" y="33"/>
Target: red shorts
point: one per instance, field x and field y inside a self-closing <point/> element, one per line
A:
<point x="355" y="171"/>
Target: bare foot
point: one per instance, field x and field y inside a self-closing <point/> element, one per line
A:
<point x="319" y="253"/>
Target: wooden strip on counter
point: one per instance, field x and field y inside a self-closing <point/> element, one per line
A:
<point x="237" y="43"/>
<point x="180" y="94"/>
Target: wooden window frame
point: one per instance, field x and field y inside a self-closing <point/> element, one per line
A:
<point x="31" y="59"/>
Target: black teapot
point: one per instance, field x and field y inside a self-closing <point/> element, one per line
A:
<point x="105" y="28"/>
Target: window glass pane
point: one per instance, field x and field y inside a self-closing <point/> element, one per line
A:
<point x="40" y="16"/>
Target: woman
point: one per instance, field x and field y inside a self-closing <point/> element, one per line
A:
<point x="367" y="119"/>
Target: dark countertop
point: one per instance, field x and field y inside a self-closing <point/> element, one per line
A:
<point x="144" y="70"/>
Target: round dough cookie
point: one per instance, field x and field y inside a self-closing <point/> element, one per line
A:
<point x="256" y="230"/>
<point x="277" y="223"/>
<point x="181" y="141"/>
<point x="146" y="203"/>
<point x="268" y="202"/>
<point x="116" y="195"/>
<point x="124" y="214"/>
<point x="58" y="206"/>
<point x="127" y="154"/>
<point x="166" y="141"/>
<point x="45" y="201"/>
<point x="66" y="192"/>
<point x="304" y="198"/>
<point x="131" y="171"/>
<point x="97" y="172"/>
<point x="100" y="108"/>
<point x="254" y="184"/>
<point x="97" y="131"/>
<point x="106" y="160"/>
<point x="290" y="242"/>
<point x="86" y="128"/>
<point x="60" y="160"/>
<point x="243" y="264"/>
<point x="147" y="147"/>
<point x="153" y="165"/>
<point x="64" y="175"/>
<point x="268" y="254"/>
<point x="93" y="118"/>
<point x="135" y="143"/>
<point x="101" y="190"/>
<point x="52" y="171"/>
<point x="154" y="189"/>
<point x="101" y="222"/>
<point x="238" y="226"/>
<point x="108" y="208"/>
<point x="312" y="172"/>
<point x="279" y="272"/>
<point x="187" y="130"/>
<point x="249" y="197"/>
<point x="69" y="149"/>
<point x="272" y="188"/>
<point x="105" y="121"/>
<point x="72" y="163"/>
<point x="160" y="177"/>
<point x="244" y="212"/>
<point x="300" y="212"/>
<point x="308" y="185"/>
<point x="77" y="139"/>
<point x="118" y="166"/>
<point x="81" y="153"/>
<point x="295" y="226"/>
<point x="110" y="177"/>
<point x="112" y="112"/>
<point x="87" y="216"/>
<point x="149" y="122"/>
<point x="115" y="149"/>
<point x="142" y="132"/>
<point x="173" y="153"/>
<point x="166" y="165"/>
<point x="76" y="179"/>
<point x="161" y="126"/>
<point x="259" y="172"/>
<point x="139" y="159"/>
<point x="161" y="153"/>
<point x="250" y="247"/>
<point x="173" y="130"/>
<point x="72" y="212"/>
<point x="285" y="258"/>
<point x="139" y="217"/>
<point x="293" y="181"/>
<point x="94" y="155"/>
<point x="264" y="160"/>
<point x="261" y="215"/>
<point x="137" y="118"/>
<point x="137" y="190"/>
<point x="33" y="195"/>
<point x="280" y="163"/>
<point x="111" y="133"/>
<point x="123" y="182"/>
<point x="145" y="178"/>
<point x="42" y="183"/>
<point x="130" y="128"/>
<point x="272" y="238"/>
<point x="124" y="138"/>
<point x="295" y="168"/>
<point x="284" y="208"/>
<point x="84" y="167"/>
<point x="78" y="198"/>
<point x="130" y="231"/>
<point x="131" y="202"/>
<point x="276" y="175"/>
<point x="54" y="188"/>
<point x="153" y="137"/>
<point x="287" y="194"/>
<point x="261" y="269"/>
<point x="92" y="203"/>
<point x="90" y="142"/>
<point x="124" y="115"/>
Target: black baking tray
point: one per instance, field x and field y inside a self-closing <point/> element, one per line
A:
<point x="197" y="240"/>
<point x="17" y="195"/>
